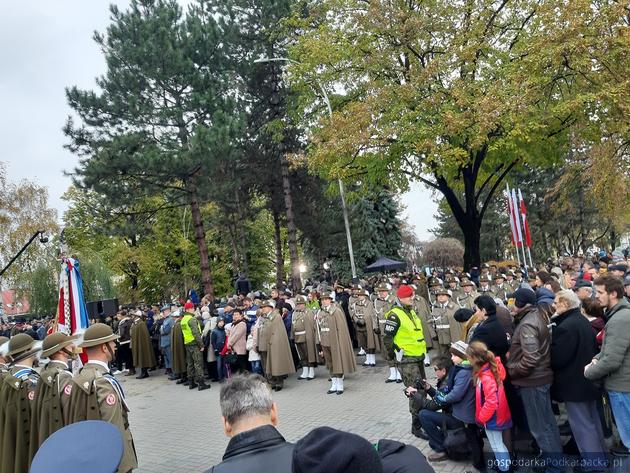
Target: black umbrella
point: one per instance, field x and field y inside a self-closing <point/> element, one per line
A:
<point x="383" y="264"/>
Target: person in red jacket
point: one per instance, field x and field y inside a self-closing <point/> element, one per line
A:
<point x="491" y="407"/>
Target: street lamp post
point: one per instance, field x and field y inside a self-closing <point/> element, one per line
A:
<point x="342" y="192"/>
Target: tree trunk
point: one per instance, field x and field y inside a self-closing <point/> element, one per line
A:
<point x="235" y="252"/>
<point x="277" y="238"/>
<point x="200" y="237"/>
<point x="240" y="233"/>
<point x="472" y="238"/>
<point x="296" y="280"/>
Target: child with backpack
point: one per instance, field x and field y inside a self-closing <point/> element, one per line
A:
<point x="491" y="408"/>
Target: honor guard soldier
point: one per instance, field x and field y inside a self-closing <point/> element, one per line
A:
<point x="49" y="413"/>
<point x="484" y="286"/>
<point x="382" y="306"/>
<point x="273" y="346"/>
<point x="4" y="367"/>
<point x="16" y="400"/>
<point x="304" y="335"/>
<point x="354" y="297"/>
<point x="422" y="309"/>
<point x="97" y="395"/>
<point x="193" y="344"/>
<point x="500" y="290"/>
<point x="448" y="329"/>
<point x="452" y="284"/>
<point x="511" y="281"/>
<point x="179" y="351"/>
<point x="364" y="319"/>
<point x="519" y="275"/>
<point x="434" y="284"/>
<point x="334" y="343"/>
<point x="466" y="299"/>
<point x="404" y="339"/>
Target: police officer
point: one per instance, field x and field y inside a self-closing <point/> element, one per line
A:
<point x="49" y="414"/>
<point x="193" y="344"/>
<point x="448" y="329"/>
<point x="95" y="394"/>
<point x="404" y="340"/>
<point x="382" y="305"/>
<point x="16" y="400"/>
<point x="466" y="299"/>
<point x="304" y="335"/>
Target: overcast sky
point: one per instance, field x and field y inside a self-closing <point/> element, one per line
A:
<point x="46" y="46"/>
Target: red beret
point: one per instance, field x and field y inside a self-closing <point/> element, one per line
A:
<point x="404" y="291"/>
<point x="189" y="306"/>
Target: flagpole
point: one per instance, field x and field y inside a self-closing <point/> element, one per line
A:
<point x="512" y="230"/>
<point x="517" y="222"/>
<point x="530" y="257"/>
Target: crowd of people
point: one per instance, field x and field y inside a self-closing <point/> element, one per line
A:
<point x="508" y="348"/>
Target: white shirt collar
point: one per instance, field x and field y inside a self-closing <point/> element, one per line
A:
<point x="22" y="366"/>
<point x="100" y="363"/>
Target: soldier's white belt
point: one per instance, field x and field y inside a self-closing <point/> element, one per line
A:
<point x="382" y="321"/>
<point x="442" y="326"/>
<point x="304" y="332"/>
<point x="323" y="330"/>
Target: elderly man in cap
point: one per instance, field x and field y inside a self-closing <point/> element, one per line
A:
<point x="404" y="339"/>
<point x="16" y="400"/>
<point x="583" y="289"/>
<point x="48" y="412"/>
<point x="304" y="335"/>
<point x="4" y="367"/>
<point x="97" y="395"/>
<point x="334" y="343"/>
<point x="273" y="346"/>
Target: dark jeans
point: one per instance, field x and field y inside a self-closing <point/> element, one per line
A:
<point x="242" y="364"/>
<point x="433" y="422"/>
<point x="123" y="356"/>
<point x="542" y="425"/>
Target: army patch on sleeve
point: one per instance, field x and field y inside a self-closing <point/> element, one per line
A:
<point x="67" y="390"/>
<point x="110" y="400"/>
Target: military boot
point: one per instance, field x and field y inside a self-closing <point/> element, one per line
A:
<point x="203" y="386"/>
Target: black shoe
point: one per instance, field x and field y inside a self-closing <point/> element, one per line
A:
<point x="301" y="378"/>
<point x="277" y="388"/>
<point x="620" y="451"/>
<point x="143" y="375"/>
<point x="187" y="382"/>
<point x="192" y="385"/>
<point x="390" y="380"/>
<point x="173" y="377"/>
<point x="398" y="381"/>
<point x="181" y="381"/>
<point x="331" y="391"/>
<point x="203" y="386"/>
<point x="339" y="393"/>
<point x="419" y="433"/>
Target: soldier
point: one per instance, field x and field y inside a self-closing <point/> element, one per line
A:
<point x="466" y="299"/>
<point x="452" y="284"/>
<point x="141" y="348"/>
<point x="365" y="320"/>
<point x="123" y="350"/>
<point x="434" y="284"/>
<point x="500" y="290"/>
<point x="4" y="346"/>
<point x="448" y="329"/>
<point x="354" y="297"/>
<point x="179" y="351"/>
<point x="193" y="344"/>
<point x="382" y="305"/>
<point x="518" y="276"/>
<point x="48" y="412"/>
<point x="16" y="400"/>
<point x="334" y="343"/>
<point x="273" y="346"/>
<point x="511" y="282"/>
<point x="94" y="394"/>
<point x="422" y="309"/>
<point x="484" y="286"/>
<point x="420" y="282"/>
<point x="304" y="335"/>
<point x="405" y="340"/>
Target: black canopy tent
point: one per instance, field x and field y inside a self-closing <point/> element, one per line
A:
<point x="384" y="264"/>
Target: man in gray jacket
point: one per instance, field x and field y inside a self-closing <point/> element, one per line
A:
<point x="612" y="364"/>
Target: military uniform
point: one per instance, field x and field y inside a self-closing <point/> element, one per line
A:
<point x="17" y="392"/>
<point x="466" y="300"/>
<point x="179" y="352"/>
<point x="422" y="309"/>
<point x="448" y="329"/>
<point x="141" y="348"/>
<point x="512" y="284"/>
<point x="336" y="346"/>
<point x="484" y="286"/>
<point x="500" y="290"/>
<point x="193" y="344"/>
<point x="452" y="284"/>
<point x="364" y="321"/>
<point x="274" y="349"/>
<point x="434" y="284"/>
<point x="4" y="368"/>
<point x="304" y="335"/>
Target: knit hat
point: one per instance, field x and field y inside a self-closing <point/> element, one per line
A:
<point x="459" y="349"/>
<point x="189" y="306"/>
<point x="524" y="296"/>
<point x="326" y="450"/>
<point x="404" y="291"/>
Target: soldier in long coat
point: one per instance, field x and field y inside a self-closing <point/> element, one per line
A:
<point x="273" y="346"/>
<point x="364" y="319"/>
<point x="48" y="412"/>
<point x="304" y="335"/>
<point x="4" y="368"/>
<point x="448" y="329"/>
<point x="423" y="311"/>
<point x="335" y="343"/>
<point x="466" y="299"/>
<point x="382" y="305"/>
<point x="141" y="348"/>
<point x="16" y="400"/>
<point x="179" y="350"/>
<point x="97" y="395"/>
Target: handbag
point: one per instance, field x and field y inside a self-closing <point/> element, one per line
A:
<point x="456" y="443"/>
<point x="231" y="358"/>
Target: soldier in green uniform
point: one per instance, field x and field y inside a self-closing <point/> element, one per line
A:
<point x="500" y="290"/>
<point x="511" y="281"/>
<point x="448" y="329"/>
<point x="141" y="349"/>
<point x="179" y="352"/>
<point x="3" y="361"/>
<point x="95" y="394"/>
<point x="423" y="310"/>
<point x="16" y="400"/>
<point x="193" y="344"/>
<point x="434" y="284"/>
<point x="364" y="320"/>
<point x="382" y="305"/>
<point x="304" y="335"/>
<point x="484" y="286"/>
<point x="48" y="412"/>
<point x="452" y="284"/>
<point x="466" y="299"/>
<point x="405" y="340"/>
<point x="352" y="299"/>
<point x="273" y="346"/>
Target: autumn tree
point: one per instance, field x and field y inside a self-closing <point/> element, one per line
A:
<point x="443" y="253"/>
<point x="455" y="95"/>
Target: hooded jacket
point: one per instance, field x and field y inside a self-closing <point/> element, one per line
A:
<point x="491" y="406"/>
<point x="461" y="396"/>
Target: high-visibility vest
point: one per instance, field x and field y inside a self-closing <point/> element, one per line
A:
<point x="186" y="330"/>
<point x="409" y="336"/>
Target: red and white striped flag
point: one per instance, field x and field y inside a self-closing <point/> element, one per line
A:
<point x="511" y="215"/>
<point x="517" y="220"/>
<point x="528" y="236"/>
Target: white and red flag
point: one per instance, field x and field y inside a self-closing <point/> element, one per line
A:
<point x="528" y="236"/>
